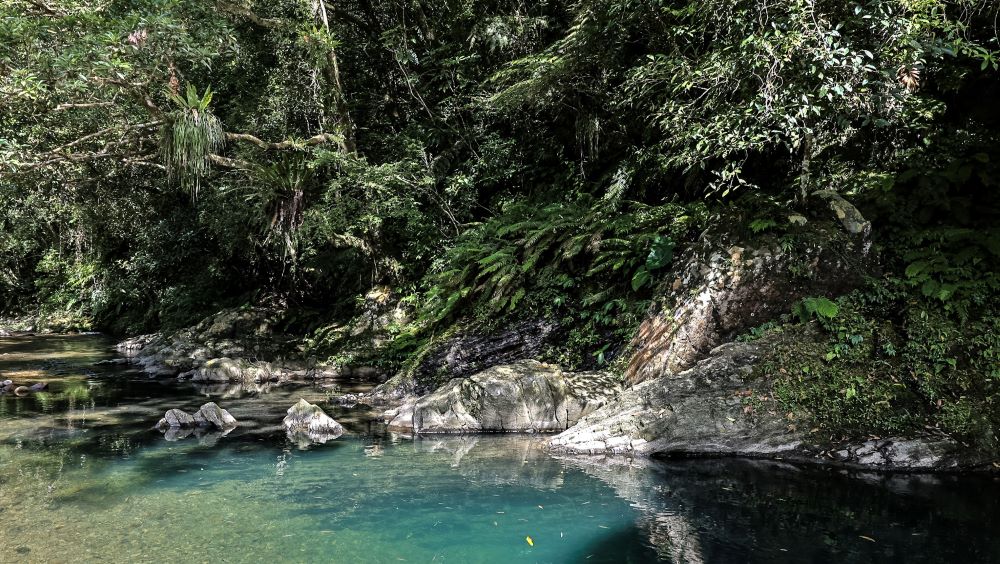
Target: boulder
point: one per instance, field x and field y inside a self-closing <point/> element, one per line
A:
<point x="211" y="415"/>
<point x="526" y="396"/>
<point x="311" y="419"/>
<point x="219" y="370"/>
<point x="39" y="387"/>
<point x="175" y="419"/>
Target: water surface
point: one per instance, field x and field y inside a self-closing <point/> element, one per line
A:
<point x="83" y="478"/>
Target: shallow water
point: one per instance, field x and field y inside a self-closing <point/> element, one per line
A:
<point x="83" y="478"/>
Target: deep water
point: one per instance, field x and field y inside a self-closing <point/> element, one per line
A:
<point x="83" y="478"/>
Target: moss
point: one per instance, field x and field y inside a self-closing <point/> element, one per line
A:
<point x="882" y="371"/>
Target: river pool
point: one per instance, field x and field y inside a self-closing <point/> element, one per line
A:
<point x="84" y="478"/>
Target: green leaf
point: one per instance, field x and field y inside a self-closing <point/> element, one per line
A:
<point x="640" y="278"/>
<point x="661" y="254"/>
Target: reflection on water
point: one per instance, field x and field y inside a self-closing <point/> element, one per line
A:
<point x="84" y="478"/>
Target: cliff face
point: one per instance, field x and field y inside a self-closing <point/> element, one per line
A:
<point x="724" y="287"/>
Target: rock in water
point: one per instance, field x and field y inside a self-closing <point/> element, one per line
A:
<point x="211" y="415"/>
<point x="525" y="396"/>
<point x="307" y="423"/>
<point x="219" y="370"/>
<point x="175" y="419"/>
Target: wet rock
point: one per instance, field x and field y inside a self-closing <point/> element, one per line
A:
<point x="211" y="415"/>
<point x="38" y="387"/>
<point x="696" y="411"/>
<point x="310" y="421"/>
<point x="22" y="390"/>
<point x="525" y="396"/>
<point x="907" y="453"/>
<point x="176" y="419"/>
<point x="722" y="288"/>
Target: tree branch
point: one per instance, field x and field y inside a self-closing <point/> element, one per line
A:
<point x="282" y="145"/>
<point x="237" y="10"/>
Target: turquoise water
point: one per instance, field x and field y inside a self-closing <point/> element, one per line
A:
<point x="83" y="478"/>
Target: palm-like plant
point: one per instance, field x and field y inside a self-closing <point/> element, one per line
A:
<point x="190" y="136"/>
<point x="283" y="195"/>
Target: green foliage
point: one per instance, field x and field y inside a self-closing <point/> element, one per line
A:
<point x="191" y="134"/>
<point x="821" y="308"/>
<point x="561" y="254"/>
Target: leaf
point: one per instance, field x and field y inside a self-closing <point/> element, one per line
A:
<point x="661" y="254"/>
<point x="640" y="278"/>
<point x="529" y="541"/>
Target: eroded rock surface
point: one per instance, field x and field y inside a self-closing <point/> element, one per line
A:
<point x="525" y="396"/>
<point x="175" y="419"/>
<point x="704" y="411"/>
<point x="723" y="288"/>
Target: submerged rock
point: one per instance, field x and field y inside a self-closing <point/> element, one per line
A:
<point x="526" y="396"/>
<point x="309" y="420"/>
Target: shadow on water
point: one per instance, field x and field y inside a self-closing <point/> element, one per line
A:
<point x="628" y="545"/>
<point x="762" y="511"/>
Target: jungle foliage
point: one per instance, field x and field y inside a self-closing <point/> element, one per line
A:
<point x="496" y="159"/>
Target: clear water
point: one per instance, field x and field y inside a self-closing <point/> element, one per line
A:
<point x="83" y="478"/>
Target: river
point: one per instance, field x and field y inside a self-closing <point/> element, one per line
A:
<point x="84" y="478"/>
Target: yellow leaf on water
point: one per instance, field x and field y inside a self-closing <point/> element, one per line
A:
<point x="529" y="541"/>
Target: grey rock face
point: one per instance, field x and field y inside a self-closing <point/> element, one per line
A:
<point x="723" y="288"/>
<point x="525" y="396"/>
<point x="311" y="417"/>
<point x="209" y="417"/>
<point x="700" y="411"/>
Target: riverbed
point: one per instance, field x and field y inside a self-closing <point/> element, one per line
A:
<point x="85" y="478"/>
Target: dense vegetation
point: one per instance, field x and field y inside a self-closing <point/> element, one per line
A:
<point x="492" y="159"/>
